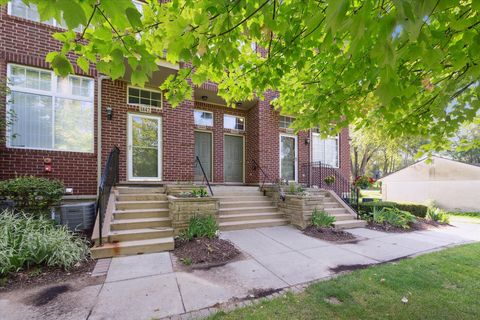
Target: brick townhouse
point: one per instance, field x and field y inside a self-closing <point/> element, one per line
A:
<point x="64" y="128"/>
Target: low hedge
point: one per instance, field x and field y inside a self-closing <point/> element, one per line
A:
<point x="417" y="210"/>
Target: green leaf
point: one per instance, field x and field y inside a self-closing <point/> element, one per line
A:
<point x="134" y="17"/>
<point x="61" y="65"/>
<point x="83" y="64"/>
<point x="73" y="13"/>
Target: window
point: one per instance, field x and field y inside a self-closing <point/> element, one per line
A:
<point x="138" y="5"/>
<point x="144" y="97"/>
<point x="285" y="122"/>
<point x="30" y="12"/>
<point x="325" y="150"/>
<point x="49" y="112"/>
<point x="203" y="118"/>
<point x="233" y="122"/>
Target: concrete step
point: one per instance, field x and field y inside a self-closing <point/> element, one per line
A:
<point x="128" y="224"/>
<point x="245" y="210"/>
<point x="348" y="224"/>
<point x="129" y="205"/>
<point x="251" y="216"/>
<point x="133" y="247"/>
<point x="229" y="193"/>
<point x="141" y="213"/>
<point x="242" y="204"/>
<point x="250" y="224"/>
<point x="141" y="197"/>
<point x="235" y="188"/>
<point x="140" y="190"/>
<point x="331" y="204"/>
<point x="140" y="234"/>
<point x="342" y="216"/>
<point x="240" y="198"/>
<point x="334" y="211"/>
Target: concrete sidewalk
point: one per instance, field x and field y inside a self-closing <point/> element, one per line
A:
<point x="150" y="286"/>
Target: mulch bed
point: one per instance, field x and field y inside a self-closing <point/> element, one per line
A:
<point x="421" y="224"/>
<point x="203" y="253"/>
<point x="39" y="276"/>
<point x="329" y="234"/>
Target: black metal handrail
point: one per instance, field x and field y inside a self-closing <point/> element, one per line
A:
<point x="322" y="175"/>
<point x="198" y="162"/>
<point x="265" y="176"/>
<point x="109" y="178"/>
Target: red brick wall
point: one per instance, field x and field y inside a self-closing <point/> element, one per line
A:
<point x="27" y="43"/>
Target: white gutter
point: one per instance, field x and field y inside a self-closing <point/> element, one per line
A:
<point x="100" y="78"/>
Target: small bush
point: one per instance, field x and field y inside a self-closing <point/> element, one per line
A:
<point x="199" y="193"/>
<point x="26" y="241"/>
<point x="31" y="194"/>
<point x="295" y="188"/>
<point x="201" y="227"/>
<point x="321" y="219"/>
<point x="393" y="216"/>
<point x="418" y="210"/>
<point x="437" y="214"/>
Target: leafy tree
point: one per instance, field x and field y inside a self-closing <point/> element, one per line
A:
<point x="418" y="59"/>
<point x="466" y="143"/>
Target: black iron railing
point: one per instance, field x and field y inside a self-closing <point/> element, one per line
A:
<point x="108" y="180"/>
<point x="265" y="176"/>
<point x="199" y="163"/>
<point x="324" y="176"/>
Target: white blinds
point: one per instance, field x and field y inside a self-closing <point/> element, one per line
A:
<point x="49" y="112"/>
<point x="325" y="150"/>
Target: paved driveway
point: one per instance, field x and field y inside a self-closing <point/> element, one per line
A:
<point x="149" y="286"/>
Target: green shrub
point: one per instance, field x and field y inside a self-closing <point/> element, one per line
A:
<point x="199" y="193"/>
<point x="321" y="219"/>
<point x="437" y="214"/>
<point x="295" y="188"/>
<point x="393" y="216"/>
<point x="201" y="227"/>
<point x="417" y="210"/>
<point x="27" y="241"/>
<point x="31" y="194"/>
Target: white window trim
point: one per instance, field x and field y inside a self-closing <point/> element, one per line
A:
<point x="240" y="117"/>
<point x="202" y="125"/>
<point x="295" y="137"/>
<point x="145" y="105"/>
<point x="130" y="148"/>
<point x="51" y="93"/>
<point x="55" y="24"/>
<point x="279" y="122"/>
<point x="330" y="137"/>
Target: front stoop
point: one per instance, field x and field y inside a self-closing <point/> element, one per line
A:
<point x="140" y="224"/>
<point x="246" y="207"/>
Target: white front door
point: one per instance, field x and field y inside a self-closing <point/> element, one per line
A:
<point x="144" y="147"/>
<point x="288" y="157"/>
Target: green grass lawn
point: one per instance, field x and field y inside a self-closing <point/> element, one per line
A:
<point x="368" y="193"/>
<point x="441" y="285"/>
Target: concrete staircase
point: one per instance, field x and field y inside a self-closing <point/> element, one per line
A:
<point x="140" y="223"/>
<point x="245" y="207"/>
<point x="343" y="218"/>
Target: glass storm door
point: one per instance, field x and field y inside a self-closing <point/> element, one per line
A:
<point x="203" y="150"/>
<point x="233" y="158"/>
<point x="288" y="157"/>
<point x="144" y="147"/>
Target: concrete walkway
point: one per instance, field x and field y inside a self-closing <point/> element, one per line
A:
<point x="151" y="286"/>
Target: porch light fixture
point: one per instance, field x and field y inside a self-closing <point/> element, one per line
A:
<point x="204" y="98"/>
<point x="307" y="141"/>
<point x="109" y="113"/>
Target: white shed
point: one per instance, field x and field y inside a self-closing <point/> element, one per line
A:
<point x="451" y="184"/>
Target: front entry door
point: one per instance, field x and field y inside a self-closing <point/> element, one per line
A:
<point x="144" y="147"/>
<point x="233" y="158"/>
<point x="203" y="150"/>
<point x="288" y="157"/>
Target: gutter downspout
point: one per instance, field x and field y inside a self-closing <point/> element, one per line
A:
<point x="100" y="78"/>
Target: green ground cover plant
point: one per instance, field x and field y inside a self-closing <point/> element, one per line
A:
<point x="201" y="227"/>
<point x="394" y="217"/>
<point x="27" y="241"/>
<point x="417" y="210"/>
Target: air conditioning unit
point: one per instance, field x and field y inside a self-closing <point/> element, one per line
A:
<point x="77" y="217"/>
